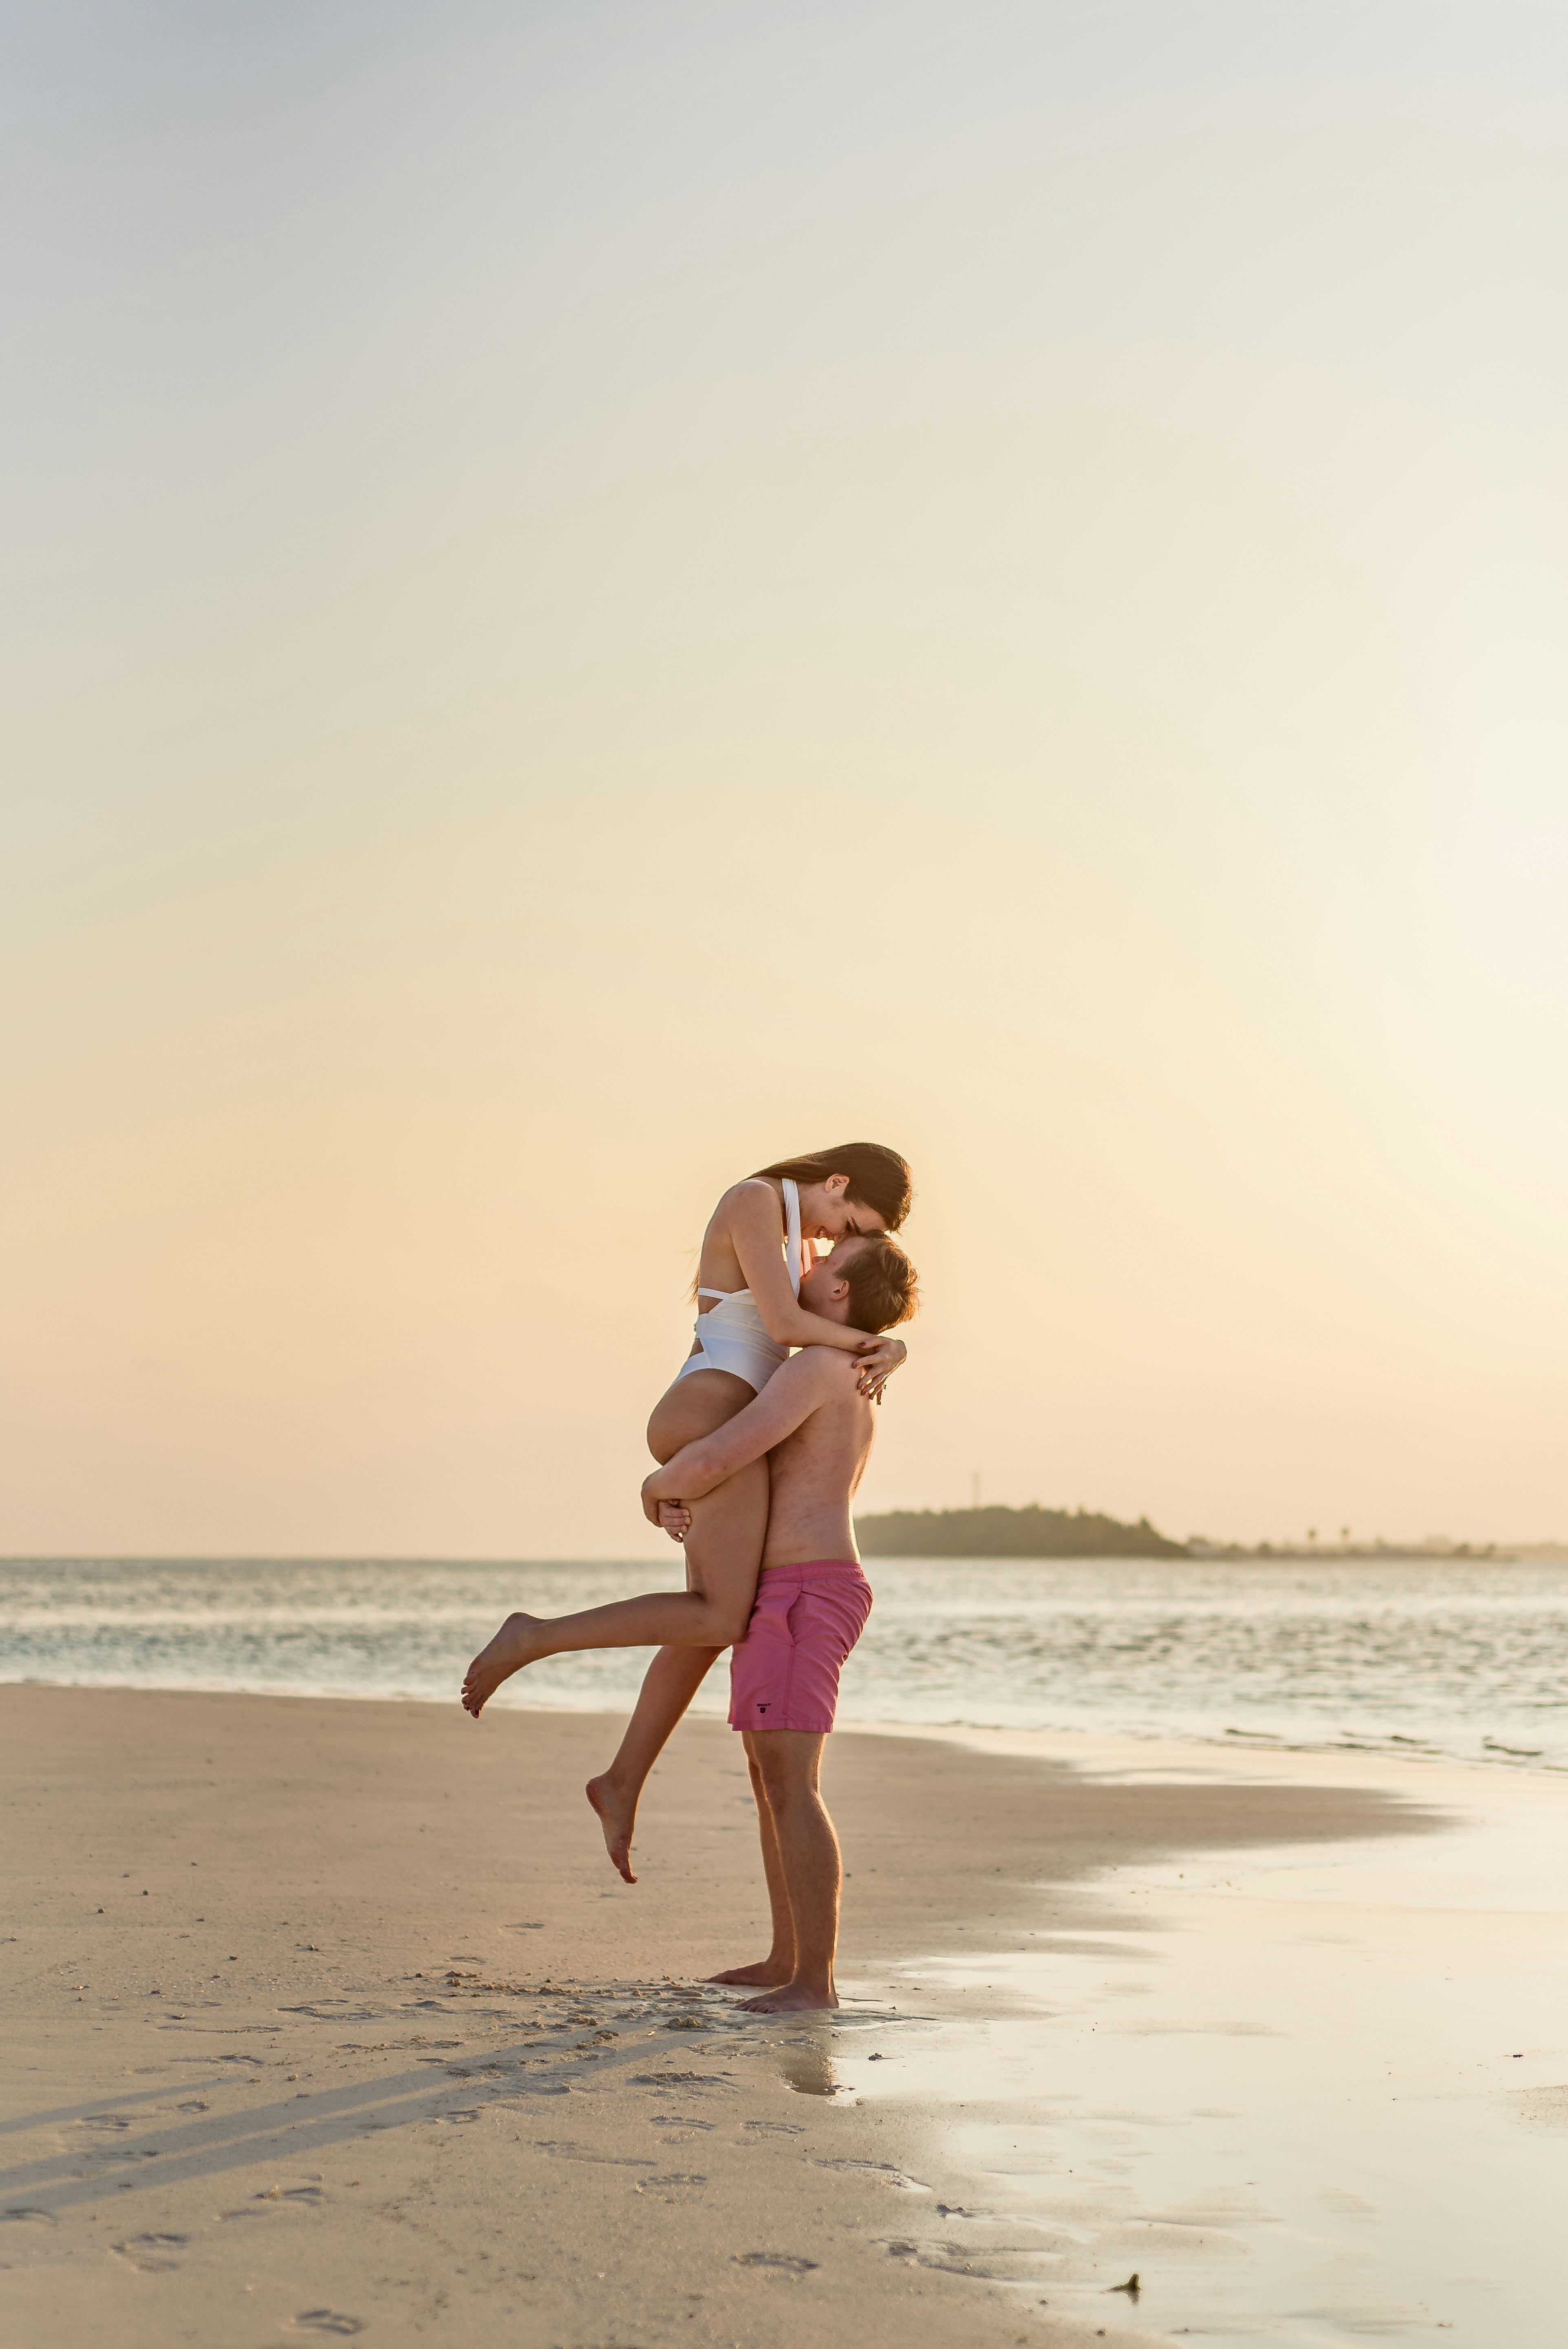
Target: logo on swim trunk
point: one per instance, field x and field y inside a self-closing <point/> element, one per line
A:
<point x="762" y="1708"/>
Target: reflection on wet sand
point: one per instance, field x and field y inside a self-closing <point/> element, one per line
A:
<point x="805" y="2063"/>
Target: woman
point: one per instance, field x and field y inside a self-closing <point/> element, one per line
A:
<point x="748" y="1317"/>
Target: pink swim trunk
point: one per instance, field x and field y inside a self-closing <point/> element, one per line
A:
<point x="785" y="1673"/>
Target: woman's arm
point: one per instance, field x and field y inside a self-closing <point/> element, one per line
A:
<point x="754" y="1235"/>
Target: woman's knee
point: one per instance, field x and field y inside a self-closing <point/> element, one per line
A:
<point x="729" y="1626"/>
<point x="723" y="1616"/>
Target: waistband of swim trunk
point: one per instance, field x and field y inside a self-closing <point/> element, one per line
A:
<point x="817" y="1566"/>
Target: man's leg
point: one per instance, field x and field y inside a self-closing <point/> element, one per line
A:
<point x="778" y="1966"/>
<point x="789" y="1763"/>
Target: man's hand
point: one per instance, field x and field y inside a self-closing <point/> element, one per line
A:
<point x="650" y="1505"/>
<point x="876" y="1363"/>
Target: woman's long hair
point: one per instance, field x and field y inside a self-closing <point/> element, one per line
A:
<point x="878" y="1176"/>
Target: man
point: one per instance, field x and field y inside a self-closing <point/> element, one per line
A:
<point x="812" y="1601"/>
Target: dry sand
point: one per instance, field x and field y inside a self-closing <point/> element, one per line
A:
<point x="328" y="2017"/>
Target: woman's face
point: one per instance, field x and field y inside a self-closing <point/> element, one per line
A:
<point x="828" y="1213"/>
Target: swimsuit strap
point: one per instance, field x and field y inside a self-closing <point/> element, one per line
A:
<point x="792" y="1220"/>
<point x="719" y="1292"/>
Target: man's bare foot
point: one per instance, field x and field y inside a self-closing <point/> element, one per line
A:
<point x="767" y="1975"/>
<point x="790" y="1998"/>
<point x="511" y="1648"/>
<point x="617" y="1815"/>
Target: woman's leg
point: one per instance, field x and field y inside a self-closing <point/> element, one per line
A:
<point x="671" y="1682"/>
<point x="692" y="1407"/>
<point x="724" y="1548"/>
<point x="723" y="1552"/>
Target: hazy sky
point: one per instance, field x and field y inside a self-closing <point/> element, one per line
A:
<point x="595" y="594"/>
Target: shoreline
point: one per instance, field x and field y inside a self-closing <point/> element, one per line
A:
<point x="314" y="2001"/>
<point x="1066" y="1744"/>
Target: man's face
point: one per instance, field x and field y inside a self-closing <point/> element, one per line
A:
<point x="819" y="1285"/>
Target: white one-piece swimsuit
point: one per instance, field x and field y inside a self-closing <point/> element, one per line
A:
<point x="730" y="1335"/>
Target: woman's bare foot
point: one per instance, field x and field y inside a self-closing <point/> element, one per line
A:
<point x="617" y="1815"/>
<point x="790" y="1998"/>
<point x="767" y="1975"/>
<point x="511" y="1648"/>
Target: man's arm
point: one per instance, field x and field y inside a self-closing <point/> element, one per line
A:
<point x="791" y="1394"/>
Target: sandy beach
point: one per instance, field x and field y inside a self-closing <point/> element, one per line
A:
<point x="328" y="2017"/>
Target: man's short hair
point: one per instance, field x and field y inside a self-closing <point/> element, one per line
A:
<point x="884" y="1290"/>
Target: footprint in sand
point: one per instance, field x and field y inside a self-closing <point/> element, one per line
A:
<point x="882" y="2170"/>
<point x="776" y="2128"/>
<point x="25" y="2214"/>
<point x="329" y="2320"/>
<point x="107" y="2121"/>
<point x="336" y="2010"/>
<point x="150" y="2254"/>
<point x="677" y="2080"/>
<point x="310" y="2195"/>
<point x="948" y="2258"/>
<point x="784" y="2261"/>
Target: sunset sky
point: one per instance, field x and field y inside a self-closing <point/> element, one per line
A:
<point x="598" y="593"/>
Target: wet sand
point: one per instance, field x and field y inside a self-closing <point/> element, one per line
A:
<point x="1307" y="2094"/>
<point x="328" y="2017"/>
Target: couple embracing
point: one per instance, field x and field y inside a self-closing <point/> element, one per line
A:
<point x="762" y="1449"/>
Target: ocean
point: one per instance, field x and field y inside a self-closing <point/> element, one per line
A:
<point x="1448" y="1658"/>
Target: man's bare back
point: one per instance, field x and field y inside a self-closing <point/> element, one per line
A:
<point x="813" y="1473"/>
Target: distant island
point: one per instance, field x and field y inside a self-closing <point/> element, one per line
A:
<point x="1035" y="1532"/>
<point x="1032" y="1532"/>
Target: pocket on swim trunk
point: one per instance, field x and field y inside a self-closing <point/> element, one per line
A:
<point x="830" y="1614"/>
<point x="857" y="1607"/>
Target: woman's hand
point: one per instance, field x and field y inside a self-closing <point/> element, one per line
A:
<point x="877" y="1363"/>
<point x="672" y="1517"/>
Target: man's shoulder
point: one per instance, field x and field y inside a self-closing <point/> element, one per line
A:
<point x="827" y="1374"/>
<point x="829" y="1364"/>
